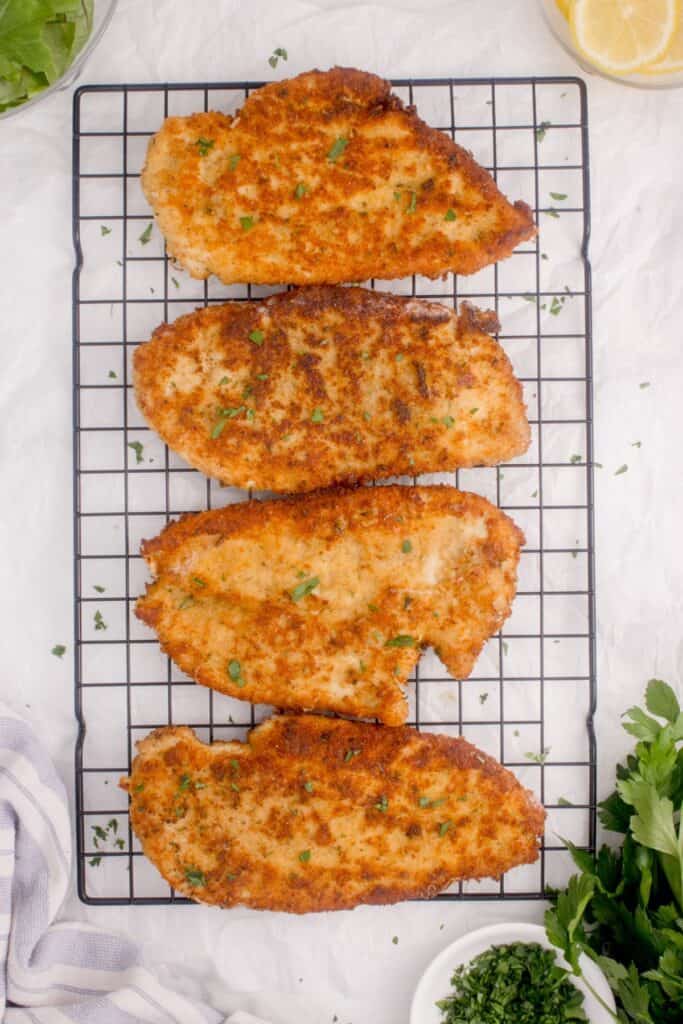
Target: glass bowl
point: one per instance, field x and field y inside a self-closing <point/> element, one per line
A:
<point x="559" y="27"/>
<point x="102" y="15"/>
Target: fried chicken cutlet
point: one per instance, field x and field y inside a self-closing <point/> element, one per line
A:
<point x="320" y="179"/>
<point x="330" y="385"/>
<point x="325" y="601"/>
<point x="316" y="813"/>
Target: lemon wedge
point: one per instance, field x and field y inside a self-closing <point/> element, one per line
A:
<point x="621" y="36"/>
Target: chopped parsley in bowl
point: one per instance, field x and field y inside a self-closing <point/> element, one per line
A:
<point x="487" y="975"/>
<point x="43" y="44"/>
<point x="518" y="983"/>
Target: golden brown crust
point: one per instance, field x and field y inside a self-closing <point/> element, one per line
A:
<point x="341" y="386"/>
<point x="320" y="813"/>
<point x="395" y="569"/>
<point x="377" y="206"/>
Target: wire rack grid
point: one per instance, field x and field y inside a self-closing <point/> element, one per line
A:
<point x="531" y="697"/>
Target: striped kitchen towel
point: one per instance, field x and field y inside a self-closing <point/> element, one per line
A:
<point x="60" y="972"/>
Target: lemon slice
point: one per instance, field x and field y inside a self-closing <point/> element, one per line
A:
<point x="620" y="36"/>
<point x="672" y="59"/>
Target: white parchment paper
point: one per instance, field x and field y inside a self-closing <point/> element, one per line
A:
<point x="297" y="971"/>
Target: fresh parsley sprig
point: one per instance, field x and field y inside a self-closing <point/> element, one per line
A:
<point x="625" y="908"/>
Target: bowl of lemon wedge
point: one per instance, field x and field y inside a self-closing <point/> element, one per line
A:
<point x="637" y="42"/>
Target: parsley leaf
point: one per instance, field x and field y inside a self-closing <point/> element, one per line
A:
<point x="195" y="877"/>
<point x="403" y="640"/>
<point x="138" y="448"/>
<point x="278" y="52"/>
<point x="59" y="650"/>
<point x="256" y="336"/>
<point x="235" y="673"/>
<point x="204" y="145"/>
<point x="337" y="149"/>
<point x="541" y="130"/>
<point x="449" y="215"/>
<point x="247" y="223"/>
<point x="317" y="416"/>
<point x="146" y="235"/>
<point x="304" y="589"/>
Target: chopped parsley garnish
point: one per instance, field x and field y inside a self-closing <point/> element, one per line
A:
<point x="350" y="754"/>
<point x="559" y="196"/>
<point x="278" y="52"/>
<point x="305" y="588"/>
<point x="95" y="862"/>
<point x="186" y="602"/>
<point x="112" y="375"/>
<point x="235" y="673"/>
<point x="406" y="547"/>
<point x="195" y="877"/>
<point x="138" y="448"/>
<point x="261" y="376"/>
<point x="176" y="282"/>
<point x="622" y="469"/>
<point x="520" y="982"/>
<point x="256" y="336"/>
<point x="555" y="306"/>
<point x="317" y="416"/>
<point x="574" y="459"/>
<point x="395" y="940"/>
<point x="99" y="621"/>
<point x="233" y="161"/>
<point x="308" y="786"/>
<point x="444" y="827"/>
<point x="483" y="697"/>
<point x="300" y="190"/>
<point x="412" y="205"/>
<point x="541" y="130"/>
<point x="59" y="650"/>
<point x="337" y="149"/>
<point x="204" y="145"/>
<point x="104" y="230"/>
<point x="563" y="802"/>
<point x="448" y="422"/>
<point x="224" y="416"/>
<point x="529" y="298"/>
<point x="185" y="782"/>
<point x="146" y="235"/>
<point x="538" y="758"/>
<point x="551" y="212"/>
<point x="403" y="640"/>
<point x="449" y="215"/>
<point x="382" y="804"/>
<point x="305" y="856"/>
<point x="247" y="223"/>
<point x="644" y="384"/>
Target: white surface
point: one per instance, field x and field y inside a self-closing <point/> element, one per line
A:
<point x="304" y="971"/>
<point x="435" y="983"/>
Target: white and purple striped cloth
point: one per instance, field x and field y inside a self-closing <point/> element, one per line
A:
<point x="61" y="972"/>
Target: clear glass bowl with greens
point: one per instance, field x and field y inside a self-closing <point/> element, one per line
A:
<point x="44" y="45"/>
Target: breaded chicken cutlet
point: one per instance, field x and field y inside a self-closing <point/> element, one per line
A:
<point x="317" y="813"/>
<point x="325" y="601"/>
<point x="329" y="385"/>
<point x="320" y="179"/>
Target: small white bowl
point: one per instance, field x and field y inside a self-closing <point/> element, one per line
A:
<point x="435" y="983"/>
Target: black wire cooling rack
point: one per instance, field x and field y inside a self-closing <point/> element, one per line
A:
<point x="531" y="697"/>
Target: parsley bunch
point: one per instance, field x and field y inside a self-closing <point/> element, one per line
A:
<point x="520" y="983"/>
<point x="625" y="908"/>
<point x="39" y="40"/>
